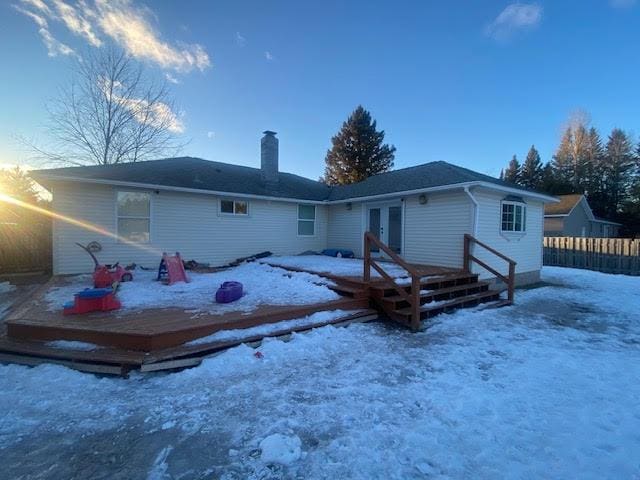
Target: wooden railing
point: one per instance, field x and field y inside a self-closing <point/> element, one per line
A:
<point x="509" y="280"/>
<point x="412" y="298"/>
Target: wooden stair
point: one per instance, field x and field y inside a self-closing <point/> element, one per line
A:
<point x="437" y="295"/>
<point x="409" y="301"/>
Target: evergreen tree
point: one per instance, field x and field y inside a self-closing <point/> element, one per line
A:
<point x="630" y="215"/>
<point x="531" y="172"/>
<point x="17" y="184"/>
<point x="512" y="172"/>
<point x="549" y="183"/>
<point x="619" y="162"/>
<point x="358" y="151"/>
<point x="594" y="184"/>
<point x="579" y="154"/>
<point x="563" y="165"/>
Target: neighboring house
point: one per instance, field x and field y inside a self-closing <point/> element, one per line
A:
<point x="215" y="212"/>
<point x="572" y="217"/>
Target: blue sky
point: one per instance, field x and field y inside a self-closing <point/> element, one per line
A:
<point x="467" y="82"/>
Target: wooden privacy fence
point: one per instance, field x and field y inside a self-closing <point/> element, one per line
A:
<point x="25" y="248"/>
<point x="609" y="255"/>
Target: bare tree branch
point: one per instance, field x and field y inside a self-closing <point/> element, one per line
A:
<point x="110" y="113"/>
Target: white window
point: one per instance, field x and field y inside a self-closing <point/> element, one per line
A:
<point x="134" y="216"/>
<point x="514" y="217"/>
<point x="306" y="220"/>
<point x="234" y="207"/>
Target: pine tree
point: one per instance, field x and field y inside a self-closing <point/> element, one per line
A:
<point x="630" y="215"/>
<point x="618" y="165"/>
<point x="17" y="184"/>
<point x="579" y="154"/>
<point x="531" y="172"/>
<point x="563" y="163"/>
<point x="549" y="183"/>
<point x="594" y="184"/>
<point x="358" y="151"/>
<point x="512" y="172"/>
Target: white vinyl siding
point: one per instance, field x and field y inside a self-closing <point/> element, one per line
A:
<point x="346" y="228"/>
<point x="525" y="248"/>
<point x="434" y="231"/>
<point x="184" y="222"/>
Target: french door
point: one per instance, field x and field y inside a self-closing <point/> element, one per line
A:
<point x="385" y="222"/>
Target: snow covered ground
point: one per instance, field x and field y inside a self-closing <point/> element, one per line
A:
<point x="262" y="285"/>
<point x="548" y="388"/>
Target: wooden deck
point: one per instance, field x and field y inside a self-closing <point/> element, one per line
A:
<point x="157" y="339"/>
<point x="151" y="339"/>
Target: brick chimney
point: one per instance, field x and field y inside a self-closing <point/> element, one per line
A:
<point x="269" y="156"/>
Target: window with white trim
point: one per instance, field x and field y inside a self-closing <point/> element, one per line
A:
<point x="514" y="217"/>
<point x="234" y="207"/>
<point x="306" y="220"/>
<point x="133" y="213"/>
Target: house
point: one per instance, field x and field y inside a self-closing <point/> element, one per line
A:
<point x="215" y="212"/>
<point x="572" y="217"/>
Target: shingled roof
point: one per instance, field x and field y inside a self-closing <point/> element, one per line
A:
<point x="199" y="174"/>
<point x="427" y="175"/>
<point x="564" y="206"/>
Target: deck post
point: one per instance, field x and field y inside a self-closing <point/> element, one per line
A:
<point x="512" y="281"/>
<point x="465" y="259"/>
<point x="366" y="275"/>
<point x="415" y="302"/>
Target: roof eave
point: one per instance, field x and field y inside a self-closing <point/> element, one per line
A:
<point x="452" y="186"/>
<point x="476" y="183"/>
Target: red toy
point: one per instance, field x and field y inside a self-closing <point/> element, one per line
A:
<point x="92" y="300"/>
<point x="106" y="275"/>
<point x="171" y="269"/>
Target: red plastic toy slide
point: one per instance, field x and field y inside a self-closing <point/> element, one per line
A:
<point x="171" y="269"/>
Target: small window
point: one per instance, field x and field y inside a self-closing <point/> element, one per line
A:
<point x="306" y="220"/>
<point x="234" y="207"/>
<point x="514" y="217"/>
<point x="134" y="216"/>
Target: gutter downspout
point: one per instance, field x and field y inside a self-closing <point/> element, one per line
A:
<point x="476" y="210"/>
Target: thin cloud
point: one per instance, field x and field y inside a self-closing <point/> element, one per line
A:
<point x="211" y="134"/>
<point x="127" y="25"/>
<point x="268" y="55"/>
<point x="622" y="4"/>
<point x="54" y="47"/>
<point x="157" y="114"/>
<point x="514" y="18"/>
<point x="240" y="40"/>
<point x="171" y="79"/>
<point x="77" y="22"/>
<point x="130" y="28"/>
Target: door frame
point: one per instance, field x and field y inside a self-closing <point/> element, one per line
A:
<point x="384" y="205"/>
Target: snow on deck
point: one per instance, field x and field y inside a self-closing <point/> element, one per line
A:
<point x="345" y="267"/>
<point x="547" y="388"/>
<point x="263" y="285"/>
